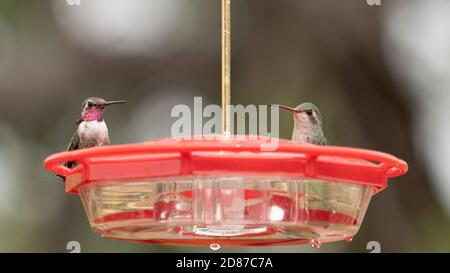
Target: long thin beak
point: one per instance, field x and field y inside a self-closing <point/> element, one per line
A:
<point x="284" y="107"/>
<point x="115" y="102"/>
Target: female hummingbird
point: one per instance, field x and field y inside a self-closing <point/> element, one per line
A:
<point x="307" y="124"/>
<point x="92" y="130"/>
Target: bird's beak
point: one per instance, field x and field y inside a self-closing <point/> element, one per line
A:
<point x="284" y="107"/>
<point x="115" y="102"/>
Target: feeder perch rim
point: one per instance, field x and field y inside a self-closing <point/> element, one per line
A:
<point x="215" y="156"/>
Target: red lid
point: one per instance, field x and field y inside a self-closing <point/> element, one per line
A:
<point x="242" y="155"/>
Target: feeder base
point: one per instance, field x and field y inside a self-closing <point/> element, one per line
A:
<point x="227" y="210"/>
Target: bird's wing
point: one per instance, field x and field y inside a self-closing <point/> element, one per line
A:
<point x="74" y="144"/>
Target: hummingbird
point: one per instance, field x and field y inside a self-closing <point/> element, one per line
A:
<point x="307" y="123"/>
<point x="91" y="127"/>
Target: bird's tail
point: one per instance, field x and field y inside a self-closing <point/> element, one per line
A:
<point x="69" y="165"/>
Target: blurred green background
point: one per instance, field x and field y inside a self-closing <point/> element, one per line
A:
<point x="380" y="75"/>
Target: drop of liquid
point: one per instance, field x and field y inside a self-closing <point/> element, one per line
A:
<point x="349" y="239"/>
<point x="315" y="243"/>
<point x="394" y="169"/>
<point x="214" y="247"/>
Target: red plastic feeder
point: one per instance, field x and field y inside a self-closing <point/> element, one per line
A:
<point x="226" y="191"/>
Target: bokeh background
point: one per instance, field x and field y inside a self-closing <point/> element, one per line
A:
<point x="380" y="74"/>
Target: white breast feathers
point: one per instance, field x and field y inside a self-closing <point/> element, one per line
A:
<point x="93" y="133"/>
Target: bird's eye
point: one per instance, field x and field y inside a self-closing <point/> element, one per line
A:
<point x="90" y="104"/>
<point x="309" y="112"/>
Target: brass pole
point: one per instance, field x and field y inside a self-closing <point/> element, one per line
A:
<point x="226" y="66"/>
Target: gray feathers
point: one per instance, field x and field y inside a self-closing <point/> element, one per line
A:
<point x="73" y="145"/>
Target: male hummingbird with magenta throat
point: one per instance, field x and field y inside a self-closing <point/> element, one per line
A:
<point x="92" y="130"/>
<point x="307" y="123"/>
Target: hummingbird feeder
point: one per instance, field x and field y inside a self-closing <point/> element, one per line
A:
<point x="226" y="190"/>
